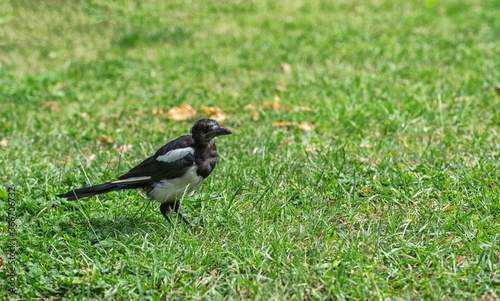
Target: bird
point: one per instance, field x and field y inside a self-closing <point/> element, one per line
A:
<point x="173" y="172"/>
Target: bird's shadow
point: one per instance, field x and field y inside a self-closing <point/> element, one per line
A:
<point x="146" y="219"/>
<point x="129" y="225"/>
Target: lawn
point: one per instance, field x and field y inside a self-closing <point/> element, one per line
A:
<point x="364" y="160"/>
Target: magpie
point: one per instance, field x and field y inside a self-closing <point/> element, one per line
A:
<point x="173" y="172"/>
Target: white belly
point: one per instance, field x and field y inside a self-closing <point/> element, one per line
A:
<point x="176" y="189"/>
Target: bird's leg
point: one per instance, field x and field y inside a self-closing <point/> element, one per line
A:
<point x="165" y="208"/>
<point x="176" y="209"/>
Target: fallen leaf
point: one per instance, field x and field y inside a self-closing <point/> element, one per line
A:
<point x="460" y="260"/>
<point x="52" y="106"/>
<point x="124" y="148"/>
<point x="72" y="224"/>
<point x="255" y="114"/>
<point x="363" y="160"/>
<point x="90" y="158"/>
<point x="497" y="88"/>
<point x="215" y="113"/>
<point x="181" y="112"/>
<point x="157" y="112"/>
<point x="462" y="99"/>
<point x="4" y="142"/>
<point x="443" y="106"/>
<point x="276" y="103"/>
<point x="137" y="113"/>
<point x="87" y="269"/>
<point x="60" y="86"/>
<point x="211" y="111"/>
<point x="285" y="67"/>
<point x="219" y="117"/>
<point x="306" y="126"/>
<point x="405" y="141"/>
<point x="106" y="140"/>
<point x="487" y="297"/>
<point x="214" y="273"/>
<point x="85" y="115"/>
<point x="281" y="88"/>
<point x="282" y="124"/>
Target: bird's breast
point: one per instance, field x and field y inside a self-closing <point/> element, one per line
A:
<point x="168" y="190"/>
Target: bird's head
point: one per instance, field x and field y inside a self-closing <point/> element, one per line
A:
<point x="207" y="129"/>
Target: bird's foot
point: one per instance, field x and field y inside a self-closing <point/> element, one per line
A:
<point x="183" y="218"/>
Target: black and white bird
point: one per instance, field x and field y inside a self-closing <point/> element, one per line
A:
<point x="173" y="172"/>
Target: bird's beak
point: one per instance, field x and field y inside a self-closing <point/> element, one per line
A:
<point x="219" y="131"/>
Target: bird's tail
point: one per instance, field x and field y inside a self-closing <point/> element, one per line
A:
<point x="91" y="191"/>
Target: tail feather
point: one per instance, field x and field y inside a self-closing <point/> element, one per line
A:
<point x="91" y="191"/>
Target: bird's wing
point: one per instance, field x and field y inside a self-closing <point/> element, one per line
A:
<point x="170" y="161"/>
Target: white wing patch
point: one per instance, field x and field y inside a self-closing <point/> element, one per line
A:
<point x="175" y="154"/>
<point x="129" y="180"/>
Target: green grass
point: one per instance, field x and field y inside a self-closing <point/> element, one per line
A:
<point x="393" y="195"/>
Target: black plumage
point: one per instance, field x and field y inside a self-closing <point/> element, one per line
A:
<point x="173" y="172"/>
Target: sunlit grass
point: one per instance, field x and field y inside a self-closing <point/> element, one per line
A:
<point x="392" y="195"/>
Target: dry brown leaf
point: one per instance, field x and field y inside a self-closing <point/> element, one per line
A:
<point x="462" y="99"/>
<point x="487" y="297"/>
<point x="219" y="117"/>
<point x="87" y="269"/>
<point x="460" y="260"/>
<point x="282" y="124"/>
<point x="405" y="141"/>
<point x="211" y="110"/>
<point x="181" y="112"/>
<point x="255" y="114"/>
<point x="281" y="88"/>
<point x="124" y="148"/>
<point x="52" y="106"/>
<point x="276" y="103"/>
<point x="497" y="88"/>
<point x="215" y="113"/>
<point x="214" y="273"/>
<point x="85" y="115"/>
<point x="302" y="108"/>
<point x="106" y="140"/>
<point x="442" y="106"/>
<point x="306" y="126"/>
<point x="157" y="112"/>
<point x="4" y="142"/>
<point x="90" y="158"/>
<point x="60" y="86"/>
<point x="285" y="67"/>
